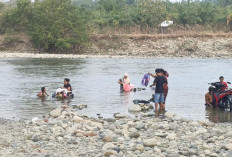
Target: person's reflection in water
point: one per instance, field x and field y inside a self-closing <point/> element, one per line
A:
<point x="159" y="113"/>
<point x="43" y="100"/>
<point x="218" y="116"/>
<point x="126" y="98"/>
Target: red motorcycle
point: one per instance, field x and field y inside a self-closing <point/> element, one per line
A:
<point x="221" y="99"/>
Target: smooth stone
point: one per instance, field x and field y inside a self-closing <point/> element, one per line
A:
<point x="207" y="152"/>
<point x="77" y="119"/>
<point x="120" y="115"/>
<point x="140" y="126"/>
<point x="134" y="108"/>
<point x="157" y="150"/>
<point x="108" y="146"/>
<point x="171" y="136"/>
<point x="134" y="135"/>
<point x="170" y="114"/>
<point x="110" y="120"/>
<point x="150" y="142"/>
<point x="34" y="120"/>
<point x="108" y="139"/>
<point x="228" y="146"/>
<point x="193" y="152"/>
<point x="110" y="153"/>
<point x="56" y="113"/>
<point x="139" y="147"/>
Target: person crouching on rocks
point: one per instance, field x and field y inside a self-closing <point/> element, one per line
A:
<point x="160" y="81"/>
<point x="42" y="93"/>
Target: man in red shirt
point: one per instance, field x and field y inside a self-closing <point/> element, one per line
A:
<point x="224" y="83"/>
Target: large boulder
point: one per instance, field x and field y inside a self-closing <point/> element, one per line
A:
<point x="134" y="108"/>
<point x="56" y="113"/>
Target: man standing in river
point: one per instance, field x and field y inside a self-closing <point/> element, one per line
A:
<point x="160" y="81"/>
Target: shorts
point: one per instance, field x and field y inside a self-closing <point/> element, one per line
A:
<point x="159" y="98"/>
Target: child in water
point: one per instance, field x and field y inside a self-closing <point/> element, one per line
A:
<point x="42" y="93"/>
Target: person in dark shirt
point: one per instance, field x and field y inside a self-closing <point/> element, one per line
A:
<point x="160" y="81"/>
<point x="67" y="85"/>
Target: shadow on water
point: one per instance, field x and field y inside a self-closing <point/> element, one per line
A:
<point x="216" y="115"/>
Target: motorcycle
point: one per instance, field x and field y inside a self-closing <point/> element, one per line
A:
<point x="221" y="99"/>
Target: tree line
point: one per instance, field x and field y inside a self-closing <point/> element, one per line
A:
<point x="61" y="25"/>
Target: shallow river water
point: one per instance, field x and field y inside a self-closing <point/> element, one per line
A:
<point x="94" y="82"/>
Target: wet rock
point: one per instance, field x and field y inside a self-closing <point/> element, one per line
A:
<point x="134" y="108"/>
<point x="120" y="115"/>
<point x="110" y="120"/>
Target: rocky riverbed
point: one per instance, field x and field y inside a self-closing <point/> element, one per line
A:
<point x="194" y="45"/>
<point x="66" y="133"/>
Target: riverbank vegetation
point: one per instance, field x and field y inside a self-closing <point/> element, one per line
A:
<point x="61" y="25"/>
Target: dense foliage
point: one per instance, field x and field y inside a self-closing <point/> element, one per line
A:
<point x="57" y="25"/>
<point x="54" y="25"/>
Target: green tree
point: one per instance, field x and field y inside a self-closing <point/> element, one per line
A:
<point x="57" y="26"/>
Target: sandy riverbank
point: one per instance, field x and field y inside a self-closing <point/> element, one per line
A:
<point x="66" y="133"/>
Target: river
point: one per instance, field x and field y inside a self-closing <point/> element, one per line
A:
<point x="94" y="82"/>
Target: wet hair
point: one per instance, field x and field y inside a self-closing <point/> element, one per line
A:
<point x="162" y="70"/>
<point x="165" y="73"/>
<point x="210" y="89"/>
<point x="221" y="77"/>
<point x="66" y="79"/>
<point x="43" y="89"/>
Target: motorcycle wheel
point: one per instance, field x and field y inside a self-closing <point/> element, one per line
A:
<point x="227" y="104"/>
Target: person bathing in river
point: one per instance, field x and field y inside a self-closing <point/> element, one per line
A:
<point x="67" y="85"/>
<point x="66" y="90"/>
<point x="221" y="78"/>
<point x="125" y="84"/>
<point x="209" y="98"/>
<point x="160" y="81"/>
<point x="42" y="93"/>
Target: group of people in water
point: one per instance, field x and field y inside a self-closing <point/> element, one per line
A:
<point x="160" y="82"/>
<point x="64" y="91"/>
<point x="209" y="94"/>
